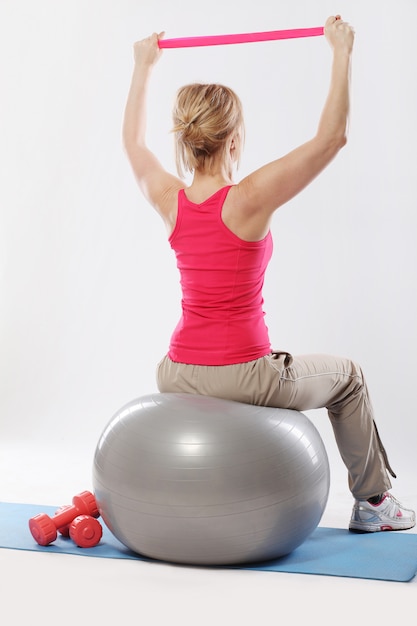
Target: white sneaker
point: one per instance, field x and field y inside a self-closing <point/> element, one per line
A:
<point x="389" y="514"/>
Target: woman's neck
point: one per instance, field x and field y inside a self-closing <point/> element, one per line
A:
<point x="204" y="185"/>
<point x="218" y="176"/>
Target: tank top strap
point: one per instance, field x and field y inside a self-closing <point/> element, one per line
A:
<point x="223" y="194"/>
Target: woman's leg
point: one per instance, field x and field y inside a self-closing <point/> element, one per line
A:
<point x="316" y="381"/>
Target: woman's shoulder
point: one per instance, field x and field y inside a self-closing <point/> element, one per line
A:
<point x="243" y="215"/>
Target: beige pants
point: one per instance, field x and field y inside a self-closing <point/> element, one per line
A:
<point x="300" y="383"/>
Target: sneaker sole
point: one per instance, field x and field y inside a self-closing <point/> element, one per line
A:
<point x="374" y="528"/>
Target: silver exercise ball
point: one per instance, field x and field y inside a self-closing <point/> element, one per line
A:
<point x="198" y="480"/>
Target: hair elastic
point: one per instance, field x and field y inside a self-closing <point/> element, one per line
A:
<point x="219" y="40"/>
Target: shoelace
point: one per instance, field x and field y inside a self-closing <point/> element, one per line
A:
<point x="393" y="507"/>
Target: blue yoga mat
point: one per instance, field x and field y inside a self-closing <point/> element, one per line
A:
<point x="328" y="551"/>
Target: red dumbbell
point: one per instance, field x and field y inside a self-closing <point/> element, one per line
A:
<point x="85" y="531"/>
<point x="44" y="528"/>
<point x="64" y="530"/>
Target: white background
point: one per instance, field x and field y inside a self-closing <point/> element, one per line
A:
<point x="89" y="290"/>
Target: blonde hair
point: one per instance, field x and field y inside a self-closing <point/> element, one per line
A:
<point x="205" y="116"/>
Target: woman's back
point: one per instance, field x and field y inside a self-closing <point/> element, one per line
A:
<point x="222" y="278"/>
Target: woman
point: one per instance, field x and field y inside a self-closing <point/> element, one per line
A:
<point x="220" y="232"/>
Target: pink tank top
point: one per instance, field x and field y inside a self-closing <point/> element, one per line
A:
<point x="222" y="277"/>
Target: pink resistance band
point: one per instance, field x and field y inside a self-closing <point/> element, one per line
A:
<point x="219" y="40"/>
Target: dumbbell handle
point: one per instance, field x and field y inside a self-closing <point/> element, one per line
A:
<point x="79" y="507"/>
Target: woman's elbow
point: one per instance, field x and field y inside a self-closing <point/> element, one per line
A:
<point x="132" y="139"/>
<point x="128" y="141"/>
<point x="132" y="148"/>
<point x="336" y="143"/>
<point x="343" y="141"/>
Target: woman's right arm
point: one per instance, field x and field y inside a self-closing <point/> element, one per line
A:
<point x="158" y="186"/>
<point x="266" y="189"/>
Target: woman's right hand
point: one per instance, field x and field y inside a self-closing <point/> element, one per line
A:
<point x="339" y="34"/>
<point x="146" y="51"/>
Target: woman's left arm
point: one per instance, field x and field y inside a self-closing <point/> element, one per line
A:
<point x="154" y="181"/>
